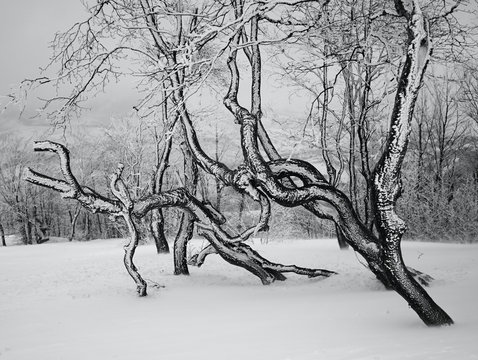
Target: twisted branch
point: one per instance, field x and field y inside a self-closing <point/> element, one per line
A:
<point x="209" y="220"/>
<point x="119" y="190"/>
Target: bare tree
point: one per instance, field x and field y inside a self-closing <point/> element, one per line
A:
<point x="263" y="175"/>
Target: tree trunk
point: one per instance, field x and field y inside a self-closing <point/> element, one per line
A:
<point x="28" y="232"/>
<point x="185" y="233"/>
<point x="386" y="178"/>
<point x="353" y="192"/>
<point x="156" y="224"/>
<point x="36" y="231"/>
<point x="2" y="236"/>
<point x="186" y="225"/>
<point x="73" y="220"/>
<point x="23" y="229"/>
<point x="22" y="232"/>
<point x="157" y="231"/>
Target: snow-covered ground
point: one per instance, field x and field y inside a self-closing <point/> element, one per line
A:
<point x="76" y="301"/>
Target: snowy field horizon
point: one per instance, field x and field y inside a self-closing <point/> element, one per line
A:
<point x="75" y="300"/>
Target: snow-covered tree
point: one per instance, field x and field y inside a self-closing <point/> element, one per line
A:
<point x="175" y="49"/>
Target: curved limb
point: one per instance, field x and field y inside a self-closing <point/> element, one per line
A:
<point x="280" y="168"/>
<point x="383" y="256"/>
<point x="230" y="249"/>
<point x="359" y="237"/>
<point x="244" y="256"/>
<point x="387" y="265"/>
<point x="119" y="190"/>
<point x="199" y="258"/>
<point x="308" y="175"/>
<point x="262" y="224"/>
<point x="289" y="167"/>
<point x="69" y="188"/>
<point x="234" y="252"/>
<point x="300" y="270"/>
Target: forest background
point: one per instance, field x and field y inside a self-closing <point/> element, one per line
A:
<point x="440" y="173"/>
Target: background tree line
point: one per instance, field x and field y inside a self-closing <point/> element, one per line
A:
<point x="440" y="199"/>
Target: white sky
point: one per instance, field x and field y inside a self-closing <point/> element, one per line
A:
<point x="26" y="29"/>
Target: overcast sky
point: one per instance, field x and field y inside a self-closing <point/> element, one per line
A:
<point x="26" y="28"/>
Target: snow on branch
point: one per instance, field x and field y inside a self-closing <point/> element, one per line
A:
<point x="69" y="187"/>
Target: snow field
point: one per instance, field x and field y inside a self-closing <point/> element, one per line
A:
<point x="76" y="301"/>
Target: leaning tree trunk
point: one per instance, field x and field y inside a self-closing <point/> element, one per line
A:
<point x="383" y="255"/>
<point x="387" y="183"/>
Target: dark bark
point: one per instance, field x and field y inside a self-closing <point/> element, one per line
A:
<point x="363" y="134"/>
<point x="157" y="230"/>
<point x="185" y="233"/>
<point x="2" y="235"/>
<point x="186" y="225"/>
<point x="233" y="250"/>
<point x="256" y="178"/>
<point x="384" y="255"/>
<point x="209" y="221"/>
<point x="387" y="183"/>
<point x="353" y="192"/>
<point x="163" y="151"/>
<point x="219" y="185"/>
<point x="240" y="254"/>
